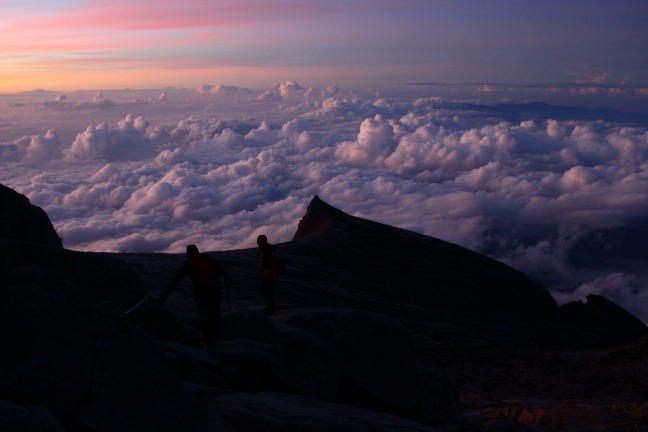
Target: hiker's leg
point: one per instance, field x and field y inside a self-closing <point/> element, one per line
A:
<point x="268" y="294"/>
<point x="210" y="314"/>
<point x="215" y="313"/>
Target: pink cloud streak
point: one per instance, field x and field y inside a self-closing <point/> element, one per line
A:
<point x="153" y="15"/>
<point x="102" y="25"/>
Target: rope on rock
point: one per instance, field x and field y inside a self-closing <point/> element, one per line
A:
<point x="148" y="294"/>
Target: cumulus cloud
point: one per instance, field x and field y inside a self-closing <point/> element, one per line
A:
<point x="128" y="140"/>
<point x="524" y="192"/>
<point x="223" y="90"/>
<point x="375" y="142"/>
<point x="99" y="101"/>
<point x="32" y="149"/>
<point x="289" y="90"/>
<point x="61" y="102"/>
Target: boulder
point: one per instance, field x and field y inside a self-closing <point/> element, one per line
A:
<point x="21" y="220"/>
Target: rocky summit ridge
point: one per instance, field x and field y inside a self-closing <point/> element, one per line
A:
<point x="454" y="282"/>
<point x="377" y="328"/>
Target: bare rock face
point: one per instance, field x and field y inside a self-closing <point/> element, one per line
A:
<point x="21" y="220"/>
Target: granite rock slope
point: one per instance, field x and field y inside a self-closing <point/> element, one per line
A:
<point x="377" y="328"/>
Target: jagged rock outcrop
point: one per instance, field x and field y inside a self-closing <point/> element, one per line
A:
<point x="601" y="317"/>
<point x="318" y="216"/>
<point x="21" y="220"/>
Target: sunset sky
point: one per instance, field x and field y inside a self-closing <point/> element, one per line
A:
<point x="108" y="44"/>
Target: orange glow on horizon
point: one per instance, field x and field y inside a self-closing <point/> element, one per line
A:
<point x="119" y="78"/>
<point x="66" y="80"/>
<point x="61" y="76"/>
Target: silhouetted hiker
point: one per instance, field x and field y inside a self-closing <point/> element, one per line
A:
<point x="207" y="276"/>
<point x="269" y="271"/>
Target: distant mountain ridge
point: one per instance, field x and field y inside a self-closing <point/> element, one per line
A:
<point x="517" y="112"/>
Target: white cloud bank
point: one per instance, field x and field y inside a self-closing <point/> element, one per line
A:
<point x="217" y="174"/>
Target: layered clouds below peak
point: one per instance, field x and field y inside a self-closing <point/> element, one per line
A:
<point x="228" y="164"/>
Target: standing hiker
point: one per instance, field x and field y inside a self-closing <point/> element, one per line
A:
<point x="207" y="277"/>
<point x="268" y="270"/>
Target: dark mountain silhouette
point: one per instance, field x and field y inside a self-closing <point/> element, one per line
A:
<point x="21" y="220"/>
<point x="377" y="328"/>
<point x="517" y="112"/>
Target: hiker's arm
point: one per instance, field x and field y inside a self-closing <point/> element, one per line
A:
<point x="174" y="282"/>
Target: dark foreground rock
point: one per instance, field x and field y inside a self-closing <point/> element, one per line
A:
<point x="377" y="329"/>
<point x="93" y="369"/>
<point x="27" y="418"/>
<point x="87" y="364"/>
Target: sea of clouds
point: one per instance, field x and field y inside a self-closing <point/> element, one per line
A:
<point x="216" y="166"/>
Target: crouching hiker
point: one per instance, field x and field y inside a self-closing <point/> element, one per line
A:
<point x="207" y="276"/>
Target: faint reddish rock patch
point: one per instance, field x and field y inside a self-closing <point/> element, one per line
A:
<point x="317" y="217"/>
